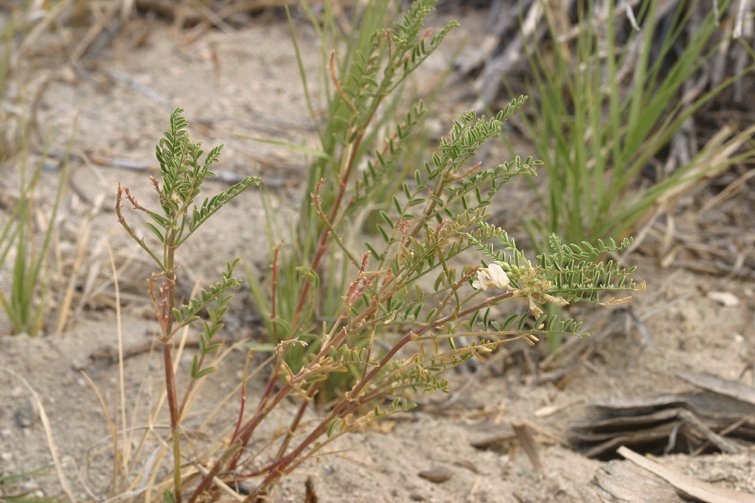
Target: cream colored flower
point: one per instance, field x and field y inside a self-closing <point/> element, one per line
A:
<point x="492" y="276"/>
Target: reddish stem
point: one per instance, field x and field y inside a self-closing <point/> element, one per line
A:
<point x="286" y="463"/>
<point x="325" y="235"/>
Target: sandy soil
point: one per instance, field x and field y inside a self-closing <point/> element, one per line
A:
<point x="113" y="107"/>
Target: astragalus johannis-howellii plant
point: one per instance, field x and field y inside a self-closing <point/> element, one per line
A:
<point x="434" y="275"/>
<point x="396" y="337"/>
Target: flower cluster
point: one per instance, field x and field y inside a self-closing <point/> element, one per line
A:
<point x="492" y="276"/>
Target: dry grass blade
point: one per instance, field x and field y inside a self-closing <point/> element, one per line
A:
<point x="64" y="484"/>
<point x="112" y="429"/>
<point x="715" y="156"/>
<point x="82" y="247"/>
<point x="718" y="154"/>
<point x="730" y="191"/>
<point x="123" y="456"/>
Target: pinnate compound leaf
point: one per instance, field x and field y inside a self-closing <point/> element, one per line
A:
<point x="211" y="205"/>
<point x="188" y="312"/>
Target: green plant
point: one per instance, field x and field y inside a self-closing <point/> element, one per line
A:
<point x="24" y="301"/>
<point x="25" y="244"/>
<point x="182" y="173"/>
<point x="408" y="296"/>
<point x="368" y="145"/>
<point x="393" y="335"/>
<point x="606" y="111"/>
<point x="11" y="493"/>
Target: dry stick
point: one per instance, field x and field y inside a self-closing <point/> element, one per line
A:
<point x="689" y="486"/>
<point x="95" y="31"/>
<point x="222" y="485"/>
<point x="729" y="192"/>
<point x="144" y="90"/>
<point x="528" y="444"/>
<point x="488" y="83"/>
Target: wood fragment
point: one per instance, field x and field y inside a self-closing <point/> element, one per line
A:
<point x="733" y="389"/>
<point x="687" y="486"/>
<point x="686" y="422"/>
<point x="624" y="481"/>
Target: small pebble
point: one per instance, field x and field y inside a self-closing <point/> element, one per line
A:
<point x="725" y="299"/>
<point x="24" y="417"/>
<point x="437" y="474"/>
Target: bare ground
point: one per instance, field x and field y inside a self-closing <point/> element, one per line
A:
<point x="112" y="108"/>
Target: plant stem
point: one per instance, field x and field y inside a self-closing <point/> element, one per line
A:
<point x="170" y="387"/>
<point x="322" y="246"/>
<point x="285" y="463"/>
<point x="168" y="298"/>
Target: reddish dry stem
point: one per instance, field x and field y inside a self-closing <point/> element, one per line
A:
<point x="165" y="314"/>
<point x="347" y="406"/>
<point x="170" y="386"/>
<point x="242" y="408"/>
